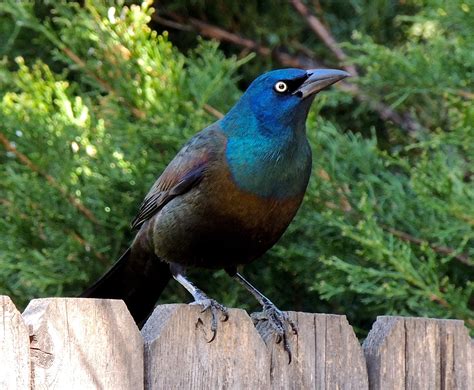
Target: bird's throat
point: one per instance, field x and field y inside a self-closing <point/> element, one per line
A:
<point x="268" y="167"/>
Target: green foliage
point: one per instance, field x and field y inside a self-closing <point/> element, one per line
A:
<point x="367" y="198"/>
<point x="411" y="77"/>
<point x="99" y="102"/>
<point x="102" y="130"/>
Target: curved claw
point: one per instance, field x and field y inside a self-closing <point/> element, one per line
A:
<point x="279" y="322"/>
<point x="214" y="333"/>
<point x="225" y="315"/>
<point x="286" y="347"/>
<point x="279" y="339"/>
<point x="214" y="307"/>
<point x="293" y="326"/>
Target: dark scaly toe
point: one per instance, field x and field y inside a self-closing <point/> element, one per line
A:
<point x="294" y="328"/>
<point x="215" y="308"/>
<point x="279" y="323"/>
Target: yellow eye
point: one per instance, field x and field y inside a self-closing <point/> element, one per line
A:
<point x="280" y="87"/>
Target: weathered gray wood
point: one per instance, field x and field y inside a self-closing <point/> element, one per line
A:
<point x="14" y="347"/>
<point x="419" y="353"/>
<point x="79" y="343"/>
<point x="94" y="344"/>
<point x="179" y="356"/>
<point x="325" y="355"/>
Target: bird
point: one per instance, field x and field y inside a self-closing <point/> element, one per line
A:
<point x="224" y="200"/>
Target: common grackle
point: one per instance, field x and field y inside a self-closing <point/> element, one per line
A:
<point x="225" y="199"/>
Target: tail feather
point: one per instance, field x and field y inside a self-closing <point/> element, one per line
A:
<point x="138" y="278"/>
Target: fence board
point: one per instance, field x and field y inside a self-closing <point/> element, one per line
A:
<point x="418" y="353"/>
<point x="179" y="356"/>
<point x="14" y="348"/>
<point x="84" y="344"/>
<point x="65" y="343"/>
<point x="325" y="355"/>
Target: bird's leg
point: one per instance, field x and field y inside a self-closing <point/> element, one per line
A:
<point x="278" y="320"/>
<point x="200" y="298"/>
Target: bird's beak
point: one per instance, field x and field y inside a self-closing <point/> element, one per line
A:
<point x="319" y="79"/>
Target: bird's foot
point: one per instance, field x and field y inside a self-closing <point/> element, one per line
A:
<point x="277" y="322"/>
<point x="215" y="308"/>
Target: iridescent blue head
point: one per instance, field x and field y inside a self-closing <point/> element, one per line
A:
<point x="281" y="98"/>
<point x="267" y="150"/>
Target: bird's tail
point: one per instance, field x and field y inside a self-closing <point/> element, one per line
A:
<point x="138" y="278"/>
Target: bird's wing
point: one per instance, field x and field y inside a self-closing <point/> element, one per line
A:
<point x="184" y="172"/>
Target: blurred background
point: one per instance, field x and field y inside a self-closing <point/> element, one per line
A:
<point x="97" y="97"/>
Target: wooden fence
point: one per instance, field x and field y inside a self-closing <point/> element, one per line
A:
<point x="66" y="343"/>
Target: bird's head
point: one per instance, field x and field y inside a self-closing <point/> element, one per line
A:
<point x="267" y="150"/>
<point x="283" y="97"/>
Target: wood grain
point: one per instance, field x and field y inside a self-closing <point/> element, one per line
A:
<point x="325" y="355"/>
<point x="179" y="356"/>
<point x="65" y="343"/>
<point x="419" y="353"/>
<point x="14" y="348"/>
<point x="79" y="343"/>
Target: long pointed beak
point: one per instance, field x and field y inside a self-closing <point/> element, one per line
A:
<point x="319" y="79"/>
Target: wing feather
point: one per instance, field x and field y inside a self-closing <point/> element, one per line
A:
<point x="184" y="172"/>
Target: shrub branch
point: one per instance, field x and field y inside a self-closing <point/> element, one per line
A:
<point x="51" y="180"/>
<point x="385" y="112"/>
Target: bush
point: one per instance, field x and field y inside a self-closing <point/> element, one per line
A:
<point x="98" y="103"/>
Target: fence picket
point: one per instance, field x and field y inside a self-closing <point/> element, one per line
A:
<point x="79" y="343"/>
<point x="76" y="343"/>
<point x="419" y="353"/>
<point x="14" y="348"/>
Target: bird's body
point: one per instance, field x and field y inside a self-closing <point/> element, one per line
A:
<point x="227" y="196"/>
<point x="218" y="223"/>
<point x="252" y="173"/>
